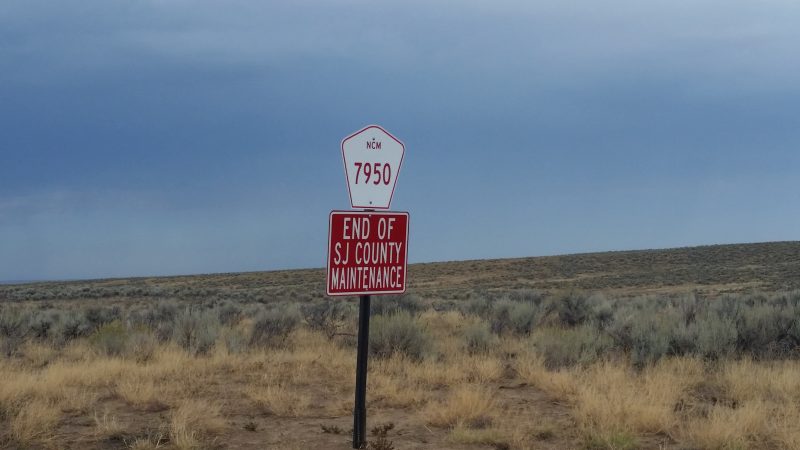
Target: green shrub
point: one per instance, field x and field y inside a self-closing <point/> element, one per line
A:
<point x="41" y="324"/>
<point x="573" y="309"/>
<point x="397" y="333"/>
<point x="166" y="312"/>
<point x="651" y="337"/>
<point x="716" y="337"/>
<point x="141" y="345"/>
<point x="391" y="304"/>
<point x="235" y="339"/>
<point x="73" y="326"/>
<point x="602" y="313"/>
<point x="479" y="306"/>
<point x="478" y="338"/>
<point x="196" y="331"/>
<point x="513" y="317"/>
<point x="98" y="316"/>
<point x="230" y="313"/>
<point x="683" y="340"/>
<point x="13" y="328"/>
<point x="272" y="327"/>
<point x="328" y="316"/>
<point x="13" y="321"/>
<point x="766" y="331"/>
<point x="571" y="346"/>
<point x="532" y="296"/>
<point x="110" y="339"/>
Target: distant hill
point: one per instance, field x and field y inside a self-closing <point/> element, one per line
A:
<point x="709" y="270"/>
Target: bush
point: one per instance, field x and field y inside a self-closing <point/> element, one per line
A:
<point x="515" y="317"/>
<point x="13" y="328"/>
<point x="716" y="337"/>
<point x="651" y="337"/>
<point x="166" y="312"/>
<point x="766" y="331"/>
<point x="573" y="309"/>
<point x="98" y="316"/>
<point x="42" y="323"/>
<point x="73" y="326"/>
<point x="478" y="338"/>
<point x="141" y="346"/>
<point x="196" y="331"/>
<point x="397" y="333"/>
<point x="571" y="346"/>
<point x="328" y="316"/>
<point x="532" y="296"/>
<point x="110" y="339"/>
<point x="235" y="339"/>
<point x="479" y="306"/>
<point x="602" y="313"/>
<point x="13" y="322"/>
<point x="271" y="328"/>
<point x="391" y="304"/>
<point x="230" y="314"/>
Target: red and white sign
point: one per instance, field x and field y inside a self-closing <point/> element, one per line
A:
<point x="372" y="159"/>
<point x="367" y="252"/>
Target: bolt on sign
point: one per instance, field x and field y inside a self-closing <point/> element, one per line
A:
<point x="367" y="253"/>
<point x="372" y="159"/>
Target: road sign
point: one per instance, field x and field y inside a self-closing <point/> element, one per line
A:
<point x="372" y="159"/>
<point x="367" y="252"/>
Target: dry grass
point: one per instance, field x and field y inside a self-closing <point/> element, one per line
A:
<point x="759" y="407"/>
<point x="106" y="425"/>
<point x="689" y="403"/>
<point x="612" y="397"/>
<point x="35" y="423"/>
<point x="194" y="423"/>
<point x="470" y="406"/>
<point x="140" y="393"/>
<point x="486" y="436"/>
<point x="155" y="439"/>
<point x="560" y="384"/>
<point x="37" y="354"/>
<point x="280" y="399"/>
<point x="399" y="392"/>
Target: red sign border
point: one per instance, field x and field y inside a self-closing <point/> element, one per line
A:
<point x="328" y="254"/>
<point x="347" y="178"/>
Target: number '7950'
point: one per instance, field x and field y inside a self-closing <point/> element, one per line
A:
<point x="377" y="172"/>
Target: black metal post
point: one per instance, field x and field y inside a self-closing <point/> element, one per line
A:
<point x="360" y="410"/>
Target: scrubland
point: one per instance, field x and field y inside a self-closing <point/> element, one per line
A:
<point x="503" y="369"/>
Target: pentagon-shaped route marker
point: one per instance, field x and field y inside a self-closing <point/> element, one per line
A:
<point x="372" y="159"/>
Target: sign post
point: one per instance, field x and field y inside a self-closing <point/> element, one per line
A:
<point x="360" y="408"/>
<point x="367" y="250"/>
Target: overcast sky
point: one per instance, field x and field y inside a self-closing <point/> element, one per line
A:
<point x="178" y="137"/>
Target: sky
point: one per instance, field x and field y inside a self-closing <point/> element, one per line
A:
<point x="178" y="137"/>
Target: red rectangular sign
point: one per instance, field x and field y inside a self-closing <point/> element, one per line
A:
<point x="367" y="252"/>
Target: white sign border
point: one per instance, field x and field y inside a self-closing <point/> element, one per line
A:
<point x="328" y="255"/>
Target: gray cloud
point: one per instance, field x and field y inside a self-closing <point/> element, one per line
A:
<point x="172" y="137"/>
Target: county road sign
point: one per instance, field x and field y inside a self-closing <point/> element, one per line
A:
<point x="372" y="159"/>
<point x="367" y="252"/>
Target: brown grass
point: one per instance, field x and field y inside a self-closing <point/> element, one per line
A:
<point x="194" y="423"/>
<point x="280" y="399"/>
<point x="684" y="402"/>
<point x="470" y="406"/>
<point x="140" y="392"/>
<point x="35" y="422"/>
<point x="107" y="425"/>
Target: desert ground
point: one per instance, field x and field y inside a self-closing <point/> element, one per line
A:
<point x="692" y="348"/>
